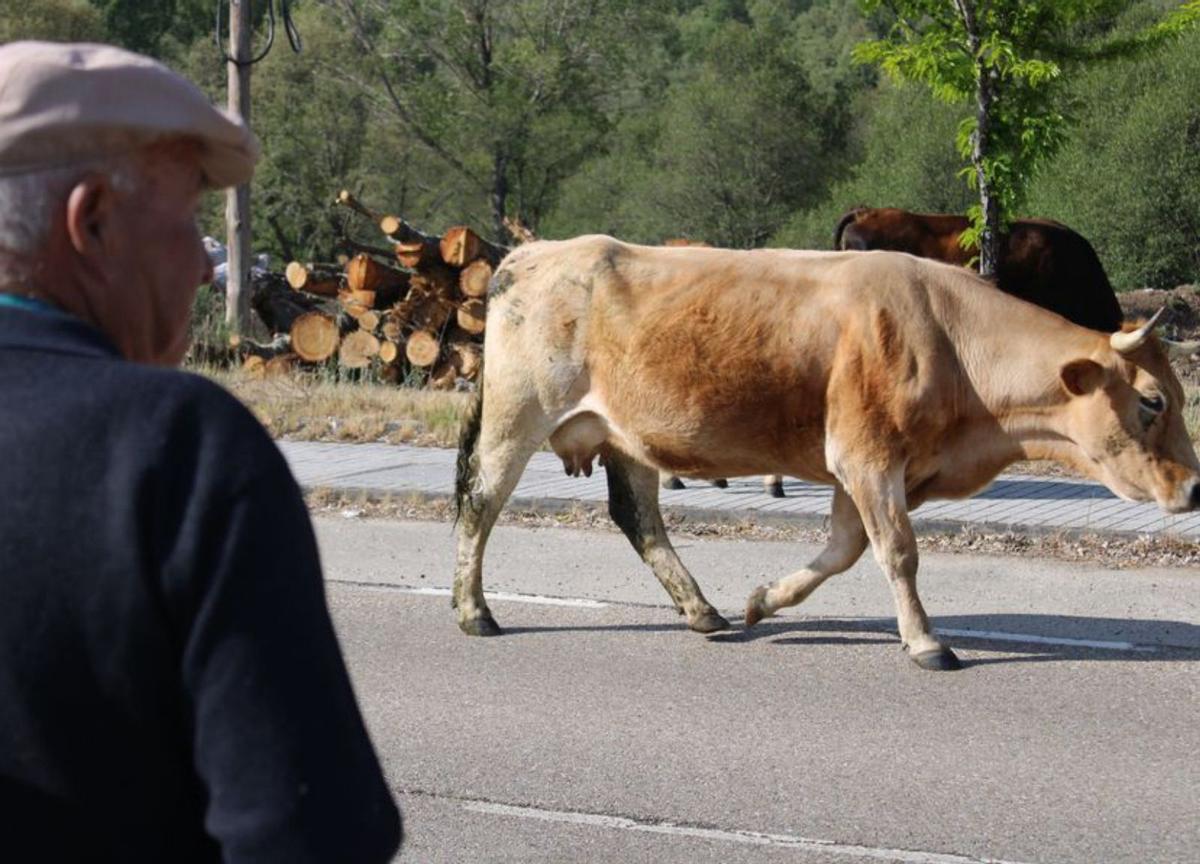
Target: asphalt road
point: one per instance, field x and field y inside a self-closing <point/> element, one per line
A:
<point x="599" y="729"/>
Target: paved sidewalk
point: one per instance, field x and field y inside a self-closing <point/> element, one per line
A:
<point x="1013" y="501"/>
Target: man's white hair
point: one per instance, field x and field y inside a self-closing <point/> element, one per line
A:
<point x="29" y="203"/>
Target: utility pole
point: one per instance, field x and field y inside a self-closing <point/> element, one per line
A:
<point x="237" y="201"/>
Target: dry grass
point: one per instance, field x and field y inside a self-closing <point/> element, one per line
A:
<point x="314" y="406"/>
<point x="311" y="407"/>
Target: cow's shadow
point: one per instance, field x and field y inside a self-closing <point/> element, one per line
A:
<point x="1015" y="638"/>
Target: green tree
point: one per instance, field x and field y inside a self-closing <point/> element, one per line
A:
<point x="748" y="127"/>
<point x="55" y="20"/>
<point x="511" y="97"/>
<point x="164" y="28"/>
<point x="1129" y="179"/>
<point x="903" y="155"/>
<point x="1008" y="57"/>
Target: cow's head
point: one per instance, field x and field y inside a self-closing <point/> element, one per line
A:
<point x="1126" y="414"/>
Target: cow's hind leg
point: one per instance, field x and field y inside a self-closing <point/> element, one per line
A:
<point x="847" y="541"/>
<point x="633" y="505"/>
<point x="496" y="445"/>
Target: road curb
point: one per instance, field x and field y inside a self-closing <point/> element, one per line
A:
<point x="714" y="516"/>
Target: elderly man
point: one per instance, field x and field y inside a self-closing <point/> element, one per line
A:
<point x="171" y="688"/>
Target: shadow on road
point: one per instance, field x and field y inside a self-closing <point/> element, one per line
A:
<point x="1160" y="641"/>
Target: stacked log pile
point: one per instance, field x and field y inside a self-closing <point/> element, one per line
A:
<point x="415" y="310"/>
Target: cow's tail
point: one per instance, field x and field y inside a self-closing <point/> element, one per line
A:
<point x="465" y="466"/>
<point x="846" y="219"/>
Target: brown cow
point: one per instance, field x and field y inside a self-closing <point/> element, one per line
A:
<point x="881" y="374"/>
<point x="1041" y="261"/>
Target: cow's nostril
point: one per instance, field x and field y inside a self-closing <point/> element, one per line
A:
<point x="1194" y="497"/>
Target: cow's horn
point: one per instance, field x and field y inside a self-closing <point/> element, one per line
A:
<point x="1127" y="343"/>
<point x="1181" y="350"/>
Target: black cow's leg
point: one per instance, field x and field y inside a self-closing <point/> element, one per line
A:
<point x="773" y="485"/>
<point x="883" y="505"/>
<point x="847" y="540"/>
<point x="633" y="505"/>
<point x="670" y="481"/>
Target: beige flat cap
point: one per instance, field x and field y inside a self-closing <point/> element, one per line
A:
<point x="64" y="102"/>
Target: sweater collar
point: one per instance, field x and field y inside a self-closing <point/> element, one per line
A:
<point x="51" y="330"/>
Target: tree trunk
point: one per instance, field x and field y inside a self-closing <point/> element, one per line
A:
<point x="276" y="303"/>
<point x="500" y="197"/>
<point x="321" y="279"/>
<point x="986" y="81"/>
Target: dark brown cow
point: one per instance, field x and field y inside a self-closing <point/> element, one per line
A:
<point x="1041" y="261"/>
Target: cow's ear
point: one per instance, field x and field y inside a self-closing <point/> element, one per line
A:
<point x="1082" y="376"/>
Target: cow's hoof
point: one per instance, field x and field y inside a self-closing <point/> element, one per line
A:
<point x="672" y="483"/>
<point x="709" y="622"/>
<point x="754" y="607"/>
<point x="721" y="484"/>
<point x="484" y="625"/>
<point x="937" y="660"/>
<point x="775" y="490"/>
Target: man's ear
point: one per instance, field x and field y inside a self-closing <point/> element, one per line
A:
<point x="89" y="210"/>
<point x="1081" y="376"/>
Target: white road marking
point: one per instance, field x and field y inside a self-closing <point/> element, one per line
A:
<point x="884" y="624"/>
<point x="998" y="636"/>
<point x="538" y="599"/>
<point x="751" y="838"/>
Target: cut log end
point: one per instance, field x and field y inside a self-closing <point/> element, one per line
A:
<point x="474" y="279"/>
<point x="460" y="246"/>
<point x="390" y="225"/>
<point x="314" y="336"/>
<point x="472" y="316"/>
<point x="422" y="348"/>
<point x="357" y="349"/>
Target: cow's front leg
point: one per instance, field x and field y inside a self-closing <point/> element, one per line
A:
<point x="633" y="505"/>
<point x="883" y="505"/>
<point x="847" y="540"/>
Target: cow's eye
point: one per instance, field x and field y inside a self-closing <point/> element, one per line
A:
<point x="1152" y="404"/>
<point x="1150" y="408"/>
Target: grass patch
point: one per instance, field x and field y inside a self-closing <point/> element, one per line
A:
<point x="311" y="407"/>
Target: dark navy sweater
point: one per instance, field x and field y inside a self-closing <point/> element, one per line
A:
<point x="171" y="688"/>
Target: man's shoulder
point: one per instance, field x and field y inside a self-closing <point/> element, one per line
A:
<point x="191" y="420"/>
<point x="164" y="393"/>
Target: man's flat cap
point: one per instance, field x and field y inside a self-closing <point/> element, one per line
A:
<point x="61" y="103"/>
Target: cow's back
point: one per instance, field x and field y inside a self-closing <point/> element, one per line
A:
<point x="1042" y="261"/>
<point x="1049" y="264"/>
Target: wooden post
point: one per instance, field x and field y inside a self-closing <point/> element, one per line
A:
<point x="237" y="201"/>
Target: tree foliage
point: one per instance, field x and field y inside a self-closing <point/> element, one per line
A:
<point x="54" y="20"/>
<point x="1008" y="58"/>
<point x="735" y="122"/>
<point x="1129" y="178"/>
<point x="509" y="96"/>
<point x="748" y="130"/>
